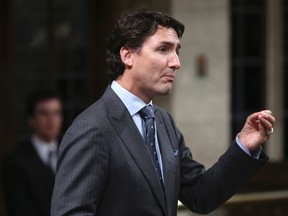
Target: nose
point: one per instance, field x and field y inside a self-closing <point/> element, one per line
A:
<point x="174" y="62"/>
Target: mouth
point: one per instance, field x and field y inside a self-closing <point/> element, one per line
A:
<point x="169" y="77"/>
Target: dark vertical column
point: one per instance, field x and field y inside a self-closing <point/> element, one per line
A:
<point x="248" y="38"/>
<point x="285" y="71"/>
<point x="51" y="44"/>
<point x="7" y="83"/>
<point x="102" y="16"/>
<point x="7" y="72"/>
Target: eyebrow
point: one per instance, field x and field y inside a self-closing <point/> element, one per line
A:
<point x="170" y="44"/>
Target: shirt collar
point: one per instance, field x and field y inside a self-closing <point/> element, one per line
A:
<point x="43" y="148"/>
<point x="131" y="101"/>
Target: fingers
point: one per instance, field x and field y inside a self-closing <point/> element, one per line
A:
<point x="266" y="122"/>
<point x="254" y="120"/>
<point x="266" y="119"/>
<point x="262" y="121"/>
<point x="269" y="112"/>
<point x="255" y="116"/>
<point x="257" y="129"/>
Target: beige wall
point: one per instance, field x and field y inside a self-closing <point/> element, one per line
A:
<point x="200" y="104"/>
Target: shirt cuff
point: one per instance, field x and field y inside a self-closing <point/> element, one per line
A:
<point x="255" y="154"/>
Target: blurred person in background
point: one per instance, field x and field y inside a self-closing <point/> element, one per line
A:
<point x="28" y="173"/>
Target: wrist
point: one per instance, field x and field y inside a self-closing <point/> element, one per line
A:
<point x="251" y="147"/>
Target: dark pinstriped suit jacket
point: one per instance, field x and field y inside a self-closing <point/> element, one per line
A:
<point x="105" y="168"/>
<point x="27" y="183"/>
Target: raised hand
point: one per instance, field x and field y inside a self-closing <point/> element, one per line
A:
<point x="257" y="129"/>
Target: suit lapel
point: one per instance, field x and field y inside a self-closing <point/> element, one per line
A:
<point x="128" y="132"/>
<point x="37" y="162"/>
<point x="168" y="159"/>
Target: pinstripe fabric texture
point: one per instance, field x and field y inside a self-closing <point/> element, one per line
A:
<point x="104" y="168"/>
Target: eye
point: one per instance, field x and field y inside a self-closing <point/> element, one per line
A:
<point x="162" y="49"/>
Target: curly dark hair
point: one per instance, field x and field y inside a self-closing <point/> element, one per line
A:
<point x="131" y="30"/>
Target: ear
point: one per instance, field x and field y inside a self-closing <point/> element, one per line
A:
<point x="126" y="56"/>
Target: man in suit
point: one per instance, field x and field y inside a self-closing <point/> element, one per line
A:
<point x="29" y="171"/>
<point x="111" y="165"/>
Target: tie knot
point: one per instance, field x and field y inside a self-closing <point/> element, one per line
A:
<point x="147" y="112"/>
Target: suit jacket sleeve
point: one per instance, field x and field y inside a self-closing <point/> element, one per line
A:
<point x="82" y="169"/>
<point x="203" y="190"/>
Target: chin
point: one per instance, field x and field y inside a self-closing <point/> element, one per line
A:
<point x="166" y="91"/>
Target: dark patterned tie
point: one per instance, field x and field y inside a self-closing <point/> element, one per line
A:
<point x="147" y="114"/>
<point x="52" y="155"/>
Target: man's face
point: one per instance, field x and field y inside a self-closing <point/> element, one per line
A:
<point x="153" y="68"/>
<point x="47" y="119"/>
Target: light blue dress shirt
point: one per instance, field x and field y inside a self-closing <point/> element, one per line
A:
<point x="134" y="105"/>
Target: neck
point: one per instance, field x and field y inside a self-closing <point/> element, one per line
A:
<point x="47" y="140"/>
<point x="132" y="88"/>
